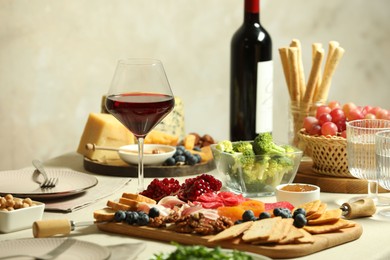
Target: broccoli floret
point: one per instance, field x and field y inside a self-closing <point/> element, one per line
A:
<point x="225" y="146"/>
<point x="242" y="146"/>
<point x="264" y="144"/>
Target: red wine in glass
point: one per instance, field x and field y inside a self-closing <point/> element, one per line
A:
<point x="140" y="112"/>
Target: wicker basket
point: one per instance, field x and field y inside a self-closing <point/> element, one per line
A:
<point x="329" y="154"/>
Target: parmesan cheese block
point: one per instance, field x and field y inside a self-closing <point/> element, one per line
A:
<point x="104" y="130"/>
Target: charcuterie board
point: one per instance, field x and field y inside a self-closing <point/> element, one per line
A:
<point x="321" y="241"/>
<point x="120" y="168"/>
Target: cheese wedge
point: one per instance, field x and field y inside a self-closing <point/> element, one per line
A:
<point x="104" y="130"/>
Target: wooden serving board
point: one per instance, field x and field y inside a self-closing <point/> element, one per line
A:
<point x="321" y="242"/>
<point x="331" y="184"/>
<point x="120" y="168"/>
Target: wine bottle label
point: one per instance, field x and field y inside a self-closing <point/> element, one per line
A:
<point x="264" y="102"/>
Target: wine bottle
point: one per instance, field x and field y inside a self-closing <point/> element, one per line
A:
<point x="251" y="77"/>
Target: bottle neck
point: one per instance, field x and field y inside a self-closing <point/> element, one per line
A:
<point x="251" y="11"/>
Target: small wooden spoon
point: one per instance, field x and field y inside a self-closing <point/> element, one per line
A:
<point x="94" y="147"/>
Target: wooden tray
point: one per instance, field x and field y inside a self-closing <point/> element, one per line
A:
<point x="120" y="168"/>
<point x="331" y="184"/>
<point x="321" y="242"/>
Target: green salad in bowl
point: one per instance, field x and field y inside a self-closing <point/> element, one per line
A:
<point x="255" y="168"/>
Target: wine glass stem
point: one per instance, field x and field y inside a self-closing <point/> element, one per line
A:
<point x="373" y="189"/>
<point x="140" y="164"/>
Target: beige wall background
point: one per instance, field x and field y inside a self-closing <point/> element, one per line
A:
<point x="57" y="59"/>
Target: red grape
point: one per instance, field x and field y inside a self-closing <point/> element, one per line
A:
<point x="369" y="116"/>
<point x="329" y="128"/>
<point x="348" y="107"/>
<point x="382" y="114"/>
<point x="341" y="125"/>
<point x="333" y="104"/>
<point x="344" y="134"/>
<point x="315" y="130"/>
<point x="355" y="114"/>
<point x="337" y="114"/>
<point x="321" y="110"/>
<point x="325" y="117"/>
<point x="309" y="122"/>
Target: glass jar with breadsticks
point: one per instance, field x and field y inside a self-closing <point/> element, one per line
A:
<point x="306" y="96"/>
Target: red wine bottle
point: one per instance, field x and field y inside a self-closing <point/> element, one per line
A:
<point x="251" y="77"/>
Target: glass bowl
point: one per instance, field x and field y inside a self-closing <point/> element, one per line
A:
<point x="259" y="178"/>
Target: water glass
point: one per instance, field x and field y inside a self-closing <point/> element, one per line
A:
<point x="382" y="150"/>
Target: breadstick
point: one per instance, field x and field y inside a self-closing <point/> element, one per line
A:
<point x="315" y="47"/>
<point x="293" y="72"/>
<point x="284" y="58"/>
<point x="301" y="75"/>
<point x="331" y="49"/>
<point x="327" y="77"/>
<point x="314" y="76"/>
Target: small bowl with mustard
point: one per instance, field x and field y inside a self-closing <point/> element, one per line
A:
<point x="297" y="193"/>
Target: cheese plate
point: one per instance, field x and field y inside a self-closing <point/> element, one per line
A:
<point x="120" y="168"/>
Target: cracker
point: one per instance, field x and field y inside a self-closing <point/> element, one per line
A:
<point x="279" y="231"/>
<point x="311" y="207"/>
<point x="260" y="229"/>
<point x="328" y="217"/>
<point x="292" y="234"/>
<point x="306" y="237"/>
<point x="232" y="232"/>
<point x="321" y="209"/>
<point x="321" y="229"/>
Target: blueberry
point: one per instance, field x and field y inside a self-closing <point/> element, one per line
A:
<point x="238" y="222"/>
<point x="119" y="216"/>
<point x="197" y="148"/>
<point x="180" y="158"/>
<point x="180" y="148"/>
<point x="299" y="220"/>
<point x="248" y="215"/>
<point x="187" y="154"/>
<point x="178" y="152"/>
<point x="131" y="217"/>
<point x="143" y="219"/>
<point x="264" y="215"/>
<point x="192" y="160"/>
<point x="277" y="212"/>
<point x="154" y="212"/>
<point x="198" y="158"/>
<point x="299" y="211"/>
<point x="170" y="161"/>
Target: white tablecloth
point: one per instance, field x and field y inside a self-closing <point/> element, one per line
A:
<point x="373" y="244"/>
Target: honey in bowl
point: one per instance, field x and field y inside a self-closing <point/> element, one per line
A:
<point x="298" y="188"/>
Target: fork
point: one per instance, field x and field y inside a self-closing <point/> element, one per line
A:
<point x="48" y="182"/>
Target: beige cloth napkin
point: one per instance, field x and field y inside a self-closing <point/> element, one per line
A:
<point x="100" y="191"/>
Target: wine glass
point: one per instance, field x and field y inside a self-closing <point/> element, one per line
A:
<point x="382" y="149"/>
<point x="361" y="154"/>
<point x="140" y="97"/>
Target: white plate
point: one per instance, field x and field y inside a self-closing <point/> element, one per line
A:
<point x="25" y="183"/>
<point x="38" y="246"/>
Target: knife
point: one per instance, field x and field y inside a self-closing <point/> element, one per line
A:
<point x="51" y="227"/>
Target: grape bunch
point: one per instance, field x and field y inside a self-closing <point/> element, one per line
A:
<point x="330" y="120"/>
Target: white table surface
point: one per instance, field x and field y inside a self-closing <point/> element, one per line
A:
<point x="373" y="244"/>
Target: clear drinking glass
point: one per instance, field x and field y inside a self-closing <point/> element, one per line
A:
<point x="140" y="97"/>
<point x="382" y="148"/>
<point x="361" y="154"/>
